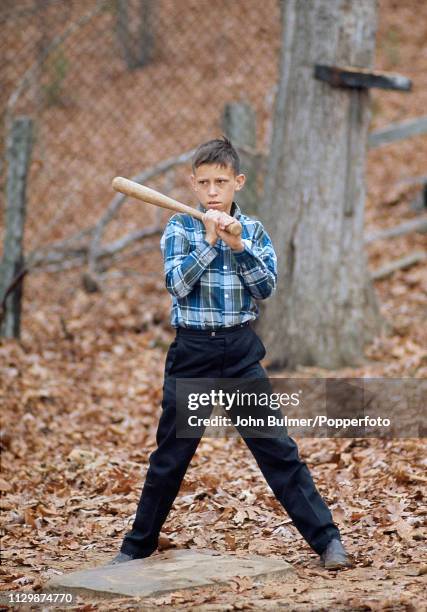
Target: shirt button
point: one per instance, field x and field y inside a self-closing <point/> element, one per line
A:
<point x="226" y="295"/>
<point x="225" y="267"/>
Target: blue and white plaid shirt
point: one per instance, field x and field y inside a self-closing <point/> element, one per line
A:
<point x="213" y="286"/>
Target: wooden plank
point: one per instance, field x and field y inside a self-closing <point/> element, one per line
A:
<point x="398" y="131"/>
<point x="402" y="263"/>
<point x="360" y="79"/>
<point x="414" y="225"/>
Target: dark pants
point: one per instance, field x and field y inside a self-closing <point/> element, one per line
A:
<point x="233" y="353"/>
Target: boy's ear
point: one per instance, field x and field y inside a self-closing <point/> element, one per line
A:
<point x="193" y="182"/>
<point x="240" y="181"/>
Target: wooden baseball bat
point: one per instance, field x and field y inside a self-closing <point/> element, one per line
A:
<point x="151" y="196"/>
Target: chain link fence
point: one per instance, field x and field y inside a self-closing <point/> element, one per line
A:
<point x="128" y="87"/>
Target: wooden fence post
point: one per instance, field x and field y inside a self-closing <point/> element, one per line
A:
<point x="18" y="159"/>
<point x="239" y="124"/>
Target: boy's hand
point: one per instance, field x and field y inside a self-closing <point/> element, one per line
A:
<point x="216" y="222"/>
<point x="210" y="221"/>
<point x="224" y="220"/>
<point x="234" y="242"/>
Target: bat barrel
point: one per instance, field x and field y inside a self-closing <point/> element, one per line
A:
<point x="151" y="196"/>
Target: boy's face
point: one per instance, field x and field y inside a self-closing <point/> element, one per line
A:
<point x="215" y="186"/>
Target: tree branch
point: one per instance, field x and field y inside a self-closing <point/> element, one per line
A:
<point x="414" y="225"/>
<point x="399" y="264"/>
<point x="119" y="199"/>
<point x="59" y="255"/>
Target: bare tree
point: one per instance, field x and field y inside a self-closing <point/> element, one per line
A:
<point x="324" y="309"/>
<point x="135" y="31"/>
<point x="12" y="272"/>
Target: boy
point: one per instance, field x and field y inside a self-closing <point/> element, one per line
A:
<point x="214" y="279"/>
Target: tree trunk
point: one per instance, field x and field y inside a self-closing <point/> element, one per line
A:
<point x="135" y="31"/>
<point x="324" y="309"/>
<point x="239" y="124"/>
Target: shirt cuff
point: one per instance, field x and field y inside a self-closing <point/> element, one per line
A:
<point x="245" y="257"/>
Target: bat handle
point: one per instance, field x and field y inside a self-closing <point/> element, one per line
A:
<point x="235" y="228"/>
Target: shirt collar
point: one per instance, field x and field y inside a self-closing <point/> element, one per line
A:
<point x="234" y="212"/>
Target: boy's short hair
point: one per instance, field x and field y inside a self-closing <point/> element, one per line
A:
<point x="218" y="151"/>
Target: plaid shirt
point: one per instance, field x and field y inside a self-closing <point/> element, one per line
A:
<point x="213" y="286"/>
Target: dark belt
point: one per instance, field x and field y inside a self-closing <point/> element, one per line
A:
<point x="218" y="331"/>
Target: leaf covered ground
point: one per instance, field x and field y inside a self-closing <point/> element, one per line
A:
<point x="83" y="392"/>
<point x="81" y="396"/>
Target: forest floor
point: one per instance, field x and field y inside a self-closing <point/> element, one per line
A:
<point x="82" y="391"/>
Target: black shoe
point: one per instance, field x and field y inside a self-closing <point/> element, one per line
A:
<point x="335" y="556"/>
<point x="121" y="558"/>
